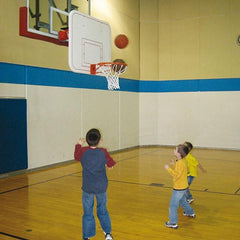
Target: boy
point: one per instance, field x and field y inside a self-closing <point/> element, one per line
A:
<point x="94" y="183"/>
<point x="180" y="186"/>
<point x="192" y="165"/>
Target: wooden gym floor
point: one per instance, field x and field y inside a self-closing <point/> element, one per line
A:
<point x="46" y="204"/>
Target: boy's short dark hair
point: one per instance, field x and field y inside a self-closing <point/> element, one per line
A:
<point x="189" y="145"/>
<point x="183" y="150"/>
<point x="93" y="137"/>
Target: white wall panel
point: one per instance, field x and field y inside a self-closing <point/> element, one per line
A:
<point x="148" y="118"/>
<point x="101" y="110"/>
<point x="54" y="118"/>
<point x="129" y="120"/>
<point x="207" y="119"/>
<point x="12" y="90"/>
<point x="58" y="117"/>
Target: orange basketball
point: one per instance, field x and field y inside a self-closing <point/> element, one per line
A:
<point x="121" y="41"/>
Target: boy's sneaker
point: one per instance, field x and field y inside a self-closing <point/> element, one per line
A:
<point x="108" y="236"/>
<point x="171" y="225"/>
<point x="86" y="238"/>
<point x="190" y="200"/>
<point x="189" y="215"/>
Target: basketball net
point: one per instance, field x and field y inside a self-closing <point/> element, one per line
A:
<point x="111" y="70"/>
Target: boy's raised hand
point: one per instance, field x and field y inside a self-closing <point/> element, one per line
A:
<point x="81" y="141"/>
<point x="172" y="161"/>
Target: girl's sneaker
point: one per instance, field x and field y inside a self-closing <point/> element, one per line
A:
<point x="189" y="215"/>
<point x="171" y="225"/>
<point x="190" y="200"/>
<point x="108" y="236"/>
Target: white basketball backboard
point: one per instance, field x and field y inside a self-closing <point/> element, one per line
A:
<point x="89" y="41"/>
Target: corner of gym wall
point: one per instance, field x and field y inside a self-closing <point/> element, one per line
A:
<point x="149" y="54"/>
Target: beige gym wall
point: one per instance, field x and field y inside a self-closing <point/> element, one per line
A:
<point x="189" y="39"/>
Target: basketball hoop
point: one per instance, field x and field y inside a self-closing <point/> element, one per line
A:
<point x="111" y="71"/>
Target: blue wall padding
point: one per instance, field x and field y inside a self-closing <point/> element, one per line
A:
<point x="13" y="135"/>
<point x="21" y="74"/>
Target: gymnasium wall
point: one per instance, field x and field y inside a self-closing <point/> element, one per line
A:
<point x="190" y="66"/>
<point x="62" y="106"/>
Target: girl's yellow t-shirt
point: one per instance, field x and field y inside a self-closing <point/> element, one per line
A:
<point x="192" y="164"/>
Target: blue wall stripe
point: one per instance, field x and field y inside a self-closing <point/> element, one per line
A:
<point x="225" y="84"/>
<point x="20" y="74"/>
<point x="59" y="78"/>
<point x="202" y="85"/>
<point x="12" y="73"/>
<point x="169" y="86"/>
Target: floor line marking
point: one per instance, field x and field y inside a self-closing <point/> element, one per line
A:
<point x="237" y="191"/>
<point x="163" y="186"/>
<point x="10" y="235"/>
